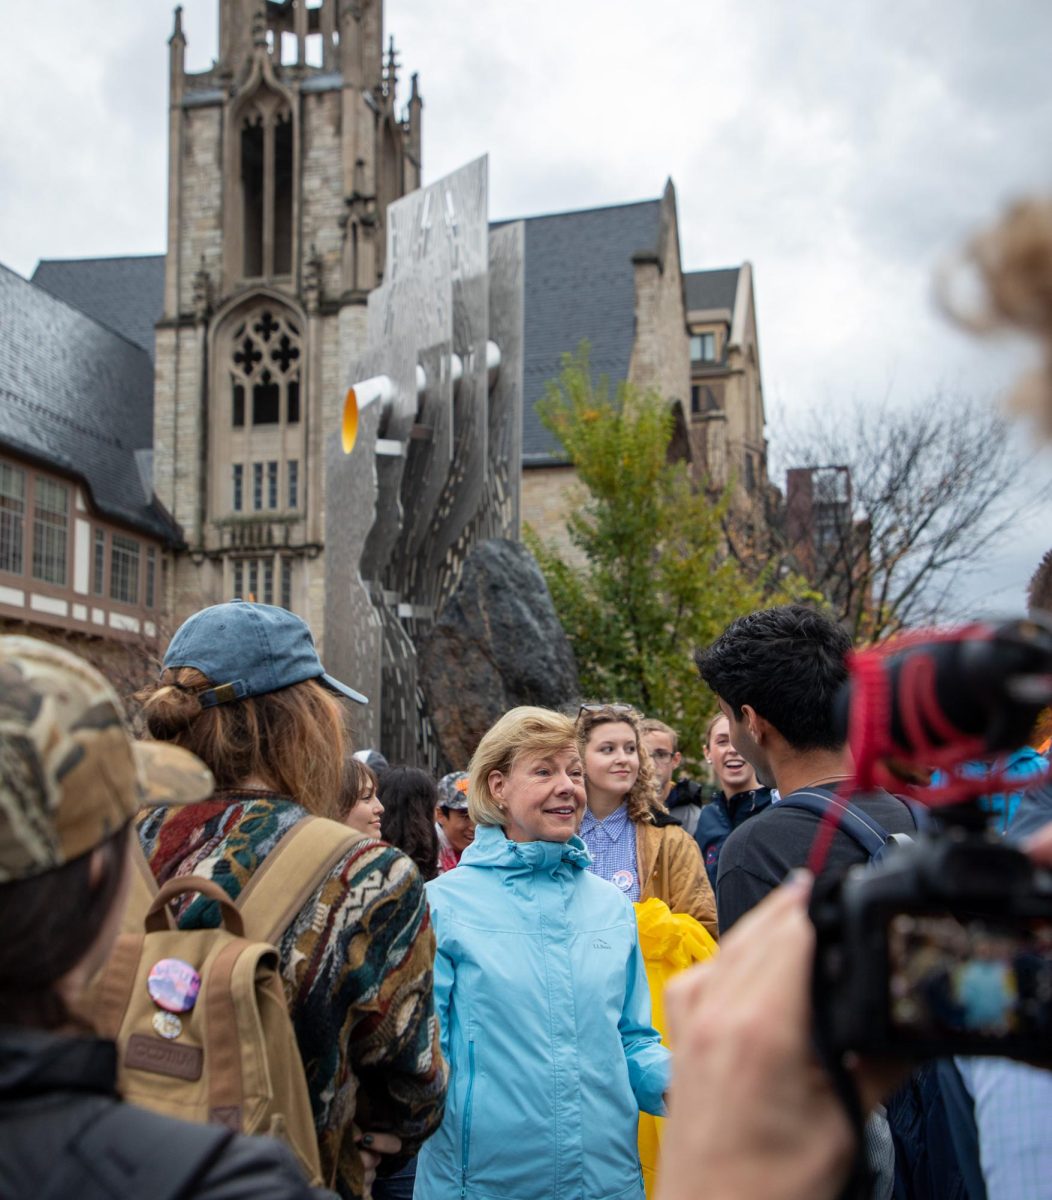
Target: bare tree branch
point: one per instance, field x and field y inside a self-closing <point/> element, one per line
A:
<point x="932" y="488"/>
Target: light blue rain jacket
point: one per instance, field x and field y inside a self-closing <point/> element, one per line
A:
<point x="545" y="1011"/>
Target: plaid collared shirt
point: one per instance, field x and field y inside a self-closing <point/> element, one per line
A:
<point x="612" y="845"/>
<point x="1012" y="1104"/>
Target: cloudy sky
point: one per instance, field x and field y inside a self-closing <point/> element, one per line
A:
<point x="845" y="149"/>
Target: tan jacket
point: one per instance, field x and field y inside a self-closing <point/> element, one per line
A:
<point x="670" y="868"/>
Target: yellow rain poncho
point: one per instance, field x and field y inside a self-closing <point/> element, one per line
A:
<point x="670" y="943"/>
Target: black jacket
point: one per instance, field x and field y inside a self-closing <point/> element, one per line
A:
<point x="64" y="1132"/>
<point x="720" y="817"/>
<point x="684" y="803"/>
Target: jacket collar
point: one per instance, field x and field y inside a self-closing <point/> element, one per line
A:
<point x="492" y="849"/>
<point x="33" y="1062"/>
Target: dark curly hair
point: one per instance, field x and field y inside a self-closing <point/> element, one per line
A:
<point x="787" y="663"/>
<point x="409" y="796"/>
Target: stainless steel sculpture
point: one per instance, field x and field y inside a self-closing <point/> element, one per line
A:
<point x="427" y="461"/>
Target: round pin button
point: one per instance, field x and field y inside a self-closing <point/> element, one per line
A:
<point x="167" y="1025"/>
<point x="173" y="985"/>
<point x="623" y="880"/>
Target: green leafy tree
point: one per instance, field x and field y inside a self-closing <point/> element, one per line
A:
<point x="650" y="580"/>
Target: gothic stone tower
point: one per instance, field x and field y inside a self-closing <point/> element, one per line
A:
<point x="282" y="160"/>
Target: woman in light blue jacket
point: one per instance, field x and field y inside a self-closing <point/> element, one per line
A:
<point x="540" y="990"/>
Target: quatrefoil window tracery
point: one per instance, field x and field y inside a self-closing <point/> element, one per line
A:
<point x="265" y="369"/>
<point x="266" y="336"/>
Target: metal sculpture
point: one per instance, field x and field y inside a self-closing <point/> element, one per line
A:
<point x="426" y="462"/>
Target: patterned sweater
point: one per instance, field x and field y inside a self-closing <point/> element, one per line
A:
<point x="357" y="965"/>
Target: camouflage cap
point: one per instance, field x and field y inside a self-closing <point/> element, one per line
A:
<point x="453" y="790"/>
<point x="71" y="775"/>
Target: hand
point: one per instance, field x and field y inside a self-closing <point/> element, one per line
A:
<point x="752" y="1113"/>
<point x="372" y="1147"/>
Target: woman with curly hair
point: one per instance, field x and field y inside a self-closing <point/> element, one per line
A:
<point x="633" y="841"/>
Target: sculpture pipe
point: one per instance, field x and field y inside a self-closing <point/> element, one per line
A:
<point x="380" y="389"/>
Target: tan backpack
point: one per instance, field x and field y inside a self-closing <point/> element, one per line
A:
<point x="230" y="1057"/>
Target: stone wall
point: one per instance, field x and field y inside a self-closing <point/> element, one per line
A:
<point x="200" y="200"/>
<point x="321" y="186"/>
<point x="661" y="352"/>
<point x="549" y="495"/>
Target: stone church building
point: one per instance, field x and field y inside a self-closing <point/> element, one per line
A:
<point x="234" y="347"/>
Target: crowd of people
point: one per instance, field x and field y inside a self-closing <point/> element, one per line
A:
<point x="463" y="974"/>
<point x="468" y="1000"/>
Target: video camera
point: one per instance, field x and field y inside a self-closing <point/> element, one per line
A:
<point x="945" y="946"/>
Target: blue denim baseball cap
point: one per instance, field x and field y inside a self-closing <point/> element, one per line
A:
<point x="249" y="650"/>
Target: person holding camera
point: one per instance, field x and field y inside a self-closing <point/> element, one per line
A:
<point x="752" y="1113"/>
<point x="776" y="674"/>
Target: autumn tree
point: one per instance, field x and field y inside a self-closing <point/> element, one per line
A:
<point x="649" y="579"/>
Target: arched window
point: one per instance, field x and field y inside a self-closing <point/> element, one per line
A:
<point x="258" y="466"/>
<point x="266" y="178"/>
<point x="265" y="365"/>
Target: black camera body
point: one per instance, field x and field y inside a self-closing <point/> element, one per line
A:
<point x="943" y="948"/>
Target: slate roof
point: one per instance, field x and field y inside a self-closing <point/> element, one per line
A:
<point x="579" y="283"/>
<point x="711" y="289"/>
<point x="124" y="294"/>
<point x="78" y="396"/>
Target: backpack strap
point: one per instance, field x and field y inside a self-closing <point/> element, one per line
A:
<point x="869" y="834"/>
<point x="291" y="873"/>
<point x="126" y="1153"/>
<point x="142" y="886"/>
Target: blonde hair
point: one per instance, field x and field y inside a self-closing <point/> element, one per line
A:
<point x="1013" y="260"/>
<point x="642" y="801"/>
<point x="653" y="725"/>
<point x="523" y="730"/>
<point x="719" y="716"/>
<point x="294" y="739"/>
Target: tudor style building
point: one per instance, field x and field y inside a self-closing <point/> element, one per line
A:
<point x="83" y="541"/>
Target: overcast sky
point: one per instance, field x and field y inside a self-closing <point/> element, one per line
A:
<point x="845" y="149"/>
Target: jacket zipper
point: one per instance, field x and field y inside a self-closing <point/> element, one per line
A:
<point x="466" y="1135"/>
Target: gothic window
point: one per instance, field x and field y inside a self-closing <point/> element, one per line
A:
<point x="286" y="581"/>
<point x="283" y="195"/>
<point x="259" y="423"/>
<point x="265" y="580"/>
<point x="266" y="401"/>
<point x="266" y="184"/>
<point x="265" y="364"/>
<point x="252" y="184"/>
<point x="238" y="498"/>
